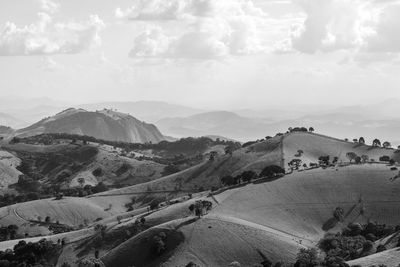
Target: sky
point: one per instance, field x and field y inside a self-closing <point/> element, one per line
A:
<point x="216" y="54"/>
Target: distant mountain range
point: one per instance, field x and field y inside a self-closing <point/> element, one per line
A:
<point x="150" y="111"/>
<point x="222" y="123"/>
<point x="379" y="120"/>
<point x="104" y="124"/>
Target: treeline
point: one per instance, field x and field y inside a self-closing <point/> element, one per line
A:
<point x="183" y="144"/>
<point x="353" y="242"/>
<point x="40" y="254"/>
<point x="247" y="176"/>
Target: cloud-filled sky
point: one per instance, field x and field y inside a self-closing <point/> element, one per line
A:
<point x="204" y="53"/>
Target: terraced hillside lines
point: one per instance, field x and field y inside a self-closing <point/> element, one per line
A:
<point x="69" y="211"/>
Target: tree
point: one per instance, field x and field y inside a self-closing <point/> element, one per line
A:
<point x="351" y="156"/>
<point x="357" y="160"/>
<point x="364" y="158"/>
<point x="384" y="158"/>
<point x="324" y="160"/>
<point x="376" y="143"/>
<point x="386" y="144"/>
<point x="355" y="140"/>
<point x="361" y="140"/>
<point x="271" y="171"/>
<point x="154" y="204"/>
<point x="307" y="257"/>
<point x="228" y="180"/>
<point x="170" y="169"/>
<point x="311" y="129"/>
<point x="247" y="176"/>
<point x="295" y="163"/>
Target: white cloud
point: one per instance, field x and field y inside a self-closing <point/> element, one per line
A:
<point x="386" y="33"/>
<point x="211" y="28"/>
<point x="363" y="27"/>
<point x="329" y="25"/>
<point x="48" y="37"/>
<point x="183" y="9"/>
<point x="49" y="6"/>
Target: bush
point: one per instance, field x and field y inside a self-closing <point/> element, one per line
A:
<point x="154" y="204"/>
<point x="384" y="158"/>
<point x="97" y="172"/>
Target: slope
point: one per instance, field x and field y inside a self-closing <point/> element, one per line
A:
<point x="105" y="124"/>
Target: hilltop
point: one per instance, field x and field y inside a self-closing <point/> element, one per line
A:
<point x="104" y="124"/>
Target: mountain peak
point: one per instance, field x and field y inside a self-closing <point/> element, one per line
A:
<point x="105" y="124"/>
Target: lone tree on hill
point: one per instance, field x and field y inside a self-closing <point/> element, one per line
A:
<point x="386" y="144"/>
<point x="351" y="156"/>
<point x="361" y="140"/>
<point x="376" y="142"/>
<point x="311" y="129"/>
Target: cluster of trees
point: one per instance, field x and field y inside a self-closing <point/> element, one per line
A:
<point x="353" y="157"/>
<point x="40" y="254"/>
<point x="182" y="145"/>
<point x="354" y="241"/>
<point x="200" y="207"/>
<point x="9" y="232"/>
<point x="9" y="199"/>
<point x="47" y="191"/>
<point x="301" y="129"/>
<point x="247" y="176"/>
<point x="375" y="143"/>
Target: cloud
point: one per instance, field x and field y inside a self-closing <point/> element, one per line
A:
<point x="386" y="34"/>
<point x="330" y="25"/>
<point x="49" y="6"/>
<point x="368" y="26"/>
<point x="184" y="9"/>
<point x="211" y="28"/>
<point x="48" y="37"/>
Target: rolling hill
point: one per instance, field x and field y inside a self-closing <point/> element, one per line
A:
<point x="104" y="124"/>
<point x="265" y="218"/>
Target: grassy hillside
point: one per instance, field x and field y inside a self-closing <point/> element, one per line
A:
<point x="275" y="218"/>
<point x="314" y="146"/>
